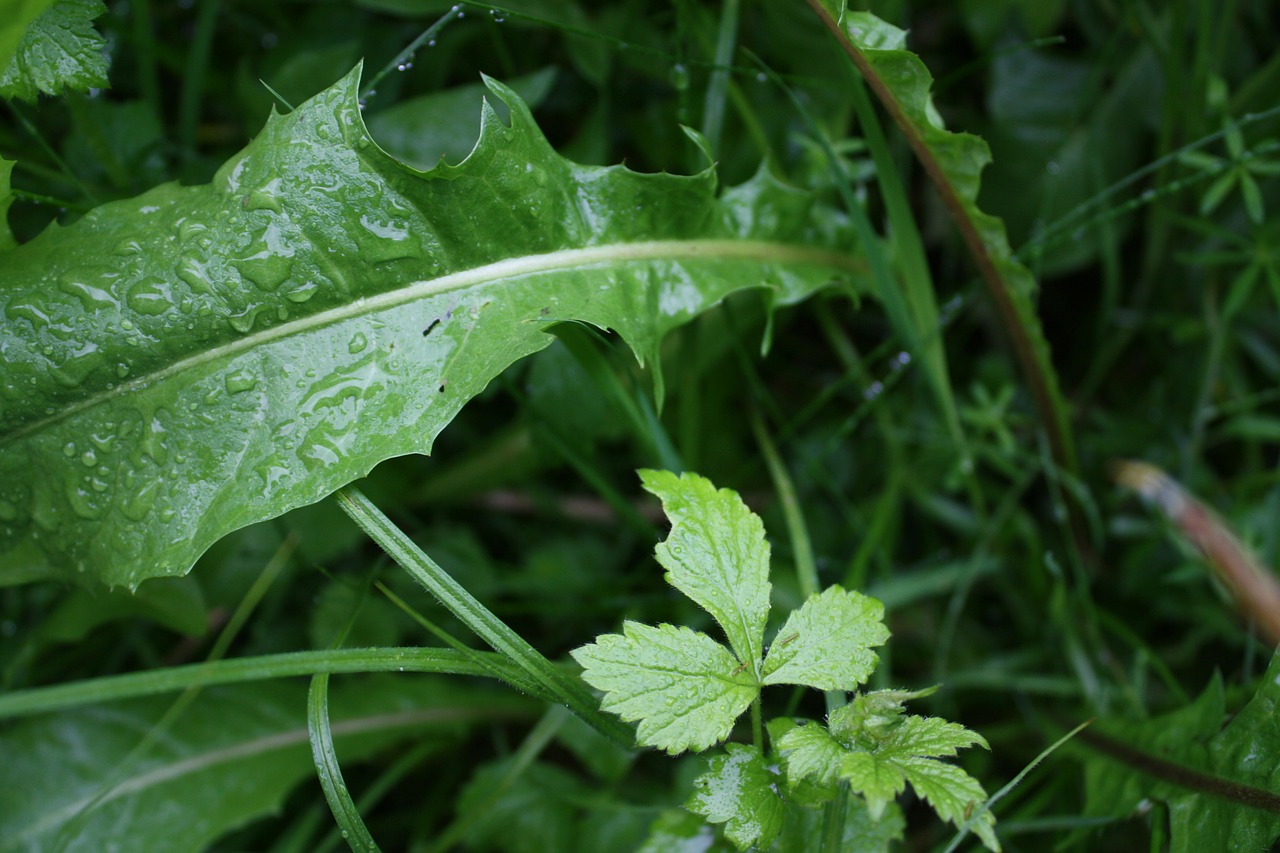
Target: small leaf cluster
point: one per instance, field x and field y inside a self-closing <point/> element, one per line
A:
<point x="686" y="690"/>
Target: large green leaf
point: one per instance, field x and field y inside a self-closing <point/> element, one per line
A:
<point x="1221" y="783"/>
<point x="191" y="361"/>
<point x="232" y="756"/>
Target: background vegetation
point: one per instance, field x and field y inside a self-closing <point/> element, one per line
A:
<point x="1132" y="147"/>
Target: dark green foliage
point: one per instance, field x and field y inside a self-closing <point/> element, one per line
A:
<point x="1134" y="151"/>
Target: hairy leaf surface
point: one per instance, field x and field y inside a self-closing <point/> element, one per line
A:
<point x="197" y="359"/>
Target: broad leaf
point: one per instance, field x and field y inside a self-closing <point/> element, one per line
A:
<point x="6" y="199"/>
<point x="1234" y="801"/>
<point x="717" y="555"/>
<point x="191" y="361"/>
<point x="232" y="756"/>
<point x="684" y="687"/>
<point x="827" y="643"/>
<point x="739" y="791"/>
<point x="59" y="51"/>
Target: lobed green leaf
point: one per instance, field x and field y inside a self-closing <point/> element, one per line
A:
<point x="684" y="687"/>
<point x="197" y="359"/>
<point x="716" y="554"/>
<point x="826" y="644"/>
<point x="810" y="753"/>
<point x="739" y="791"/>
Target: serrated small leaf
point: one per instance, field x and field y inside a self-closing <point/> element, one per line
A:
<point x="740" y="792"/>
<point x="879" y="781"/>
<point x="811" y="753"/>
<point x="716" y="554"/>
<point x="826" y="644"/>
<point x="930" y="736"/>
<point x="60" y="51"/>
<point x="684" y="688"/>
<point x="952" y="793"/>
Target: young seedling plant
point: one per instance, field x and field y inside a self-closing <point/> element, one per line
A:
<point x="686" y="690"/>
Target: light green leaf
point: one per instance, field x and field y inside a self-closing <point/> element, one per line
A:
<point x="194" y="360"/>
<point x="870" y="719"/>
<point x="59" y="51"/>
<point x="739" y="791"/>
<point x="952" y="793"/>
<point x="885" y="748"/>
<point x="826" y="644"/>
<point x="717" y="555"/>
<point x="878" y="781"/>
<point x="930" y="736"/>
<point x="232" y="756"/>
<point x="810" y="753"/>
<point x="684" y="687"/>
<point x="421" y="131"/>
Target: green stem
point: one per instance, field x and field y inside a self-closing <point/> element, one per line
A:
<point x="41" y="700"/>
<point x="552" y="680"/>
<point x="329" y="772"/>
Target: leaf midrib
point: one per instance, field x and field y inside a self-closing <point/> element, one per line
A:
<point x="565" y="259"/>
<point x="243" y="750"/>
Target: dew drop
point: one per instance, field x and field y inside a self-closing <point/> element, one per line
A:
<point x="680" y="77"/>
<point x="88" y="459"/>
<point x="358" y="343"/>
<point x="69" y="449"/>
<point x="240" y="381"/>
<point x="150" y="297"/>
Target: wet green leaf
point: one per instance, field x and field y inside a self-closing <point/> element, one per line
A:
<point x="811" y="754"/>
<point x="684" y="687"/>
<point x="717" y="555"/>
<point x="1239" y="756"/>
<point x="232" y="756"/>
<point x="59" y="51"/>
<point x="827" y="643"/>
<point x="6" y="199"/>
<point x="188" y="362"/>
<point x="739" y="791"/>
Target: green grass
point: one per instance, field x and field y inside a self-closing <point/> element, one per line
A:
<point x="904" y="436"/>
